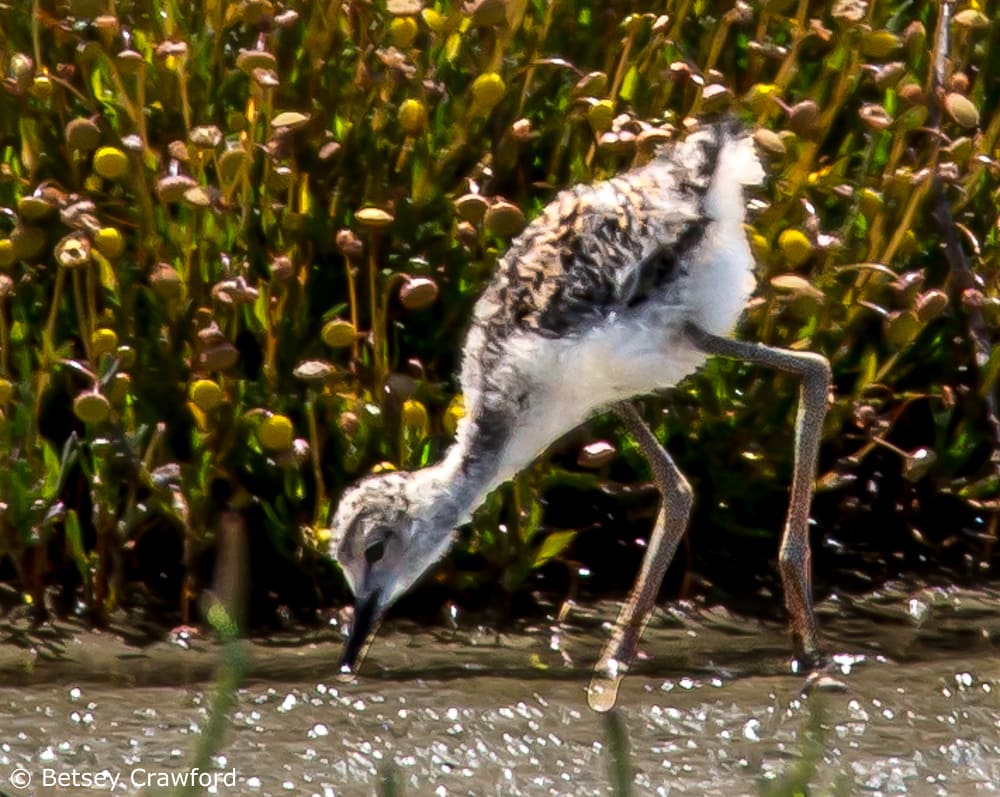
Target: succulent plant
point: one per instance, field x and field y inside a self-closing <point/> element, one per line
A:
<point x="207" y="249"/>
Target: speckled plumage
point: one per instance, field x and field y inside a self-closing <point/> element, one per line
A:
<point x="617" y="289"/>
<point x="589" y="301"/>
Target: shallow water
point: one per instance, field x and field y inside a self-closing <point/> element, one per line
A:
<point x="711" y="711"/>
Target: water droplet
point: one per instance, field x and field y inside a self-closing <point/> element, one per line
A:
<point x="318" y="730"/>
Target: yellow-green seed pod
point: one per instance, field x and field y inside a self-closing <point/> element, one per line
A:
<point x="6" y="391"/>
<point x="960" y="150"/>
<point x="593" y="84"/>
<point x="321" y="536"/>
<point x="110" y="242"/>
<point x="487" y="91"/>
<point x="232" y="162"/>
<point x="110" y="163"/>
<point x="293" y="120"/>
<point x="83" y="134"/>
<point x="915" y="39"/>
<point x="759" y="96"/>
<point x="795" y="247"/>
<point x="121" y="385"/>
<point x="472" y="207"/>
<point x="601" y="115"/>
<point x="759" y="247"/>
<point x="505" y="219"/>
<point x="206" y="395"/>
<point x="931" y="304"/>
<point x="218" y="357"/>
<point x="171" y="188"/>
<point x="91" y="407"/>
<point x="961" y="109"/>
<point x="902" y="327"/>
<point x="415" y="418"/>
<point x="41" y="87"/>
<point x="276" y="433"/>
<point x="166" y="282"/>
<point x="880" y="44"/>
<point x="912" y="93"/>
<point x="440" y="23"/>
<point x="126" y="356"/>
<point x="73" y="251"/>
<point x="803" y="117"/>
<point x="453" y="414"/>
<point x="870" y="202"/>
<point x="413" y="117"/>
<point x="29" y="242"/>
<point x="22" y="68"/>
<point x="715" y="97"/>
<point x="374" y="218"/>
<point x="33" y="208"/>
<point x="418" y="293"/>
<point x="130" y="62"/>
<point x="7" y="254"/>
<point x="103" y="341"/>
<point x="348" y="423"/>
<point x="338" y="333"/>
<point x="770" y="141"/>
<point x="402" y="32"/>
<point x="249" y="60"/>
<point x="971" y="19"/>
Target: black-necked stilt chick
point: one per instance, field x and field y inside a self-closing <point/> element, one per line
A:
<point x="616" y="290"/>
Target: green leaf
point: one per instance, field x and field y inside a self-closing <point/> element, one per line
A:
<point x="53" y="473"/>
<point x="260" y="309"/>
<point x="630" y="84"/>
<point x="553" y="545"/>
<point x="533" y="524"/>
<point x="109" y="279"/>
<point x="74" y="544"/>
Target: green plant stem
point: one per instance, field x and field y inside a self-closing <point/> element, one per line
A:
<point x="82" y="316"/>
<point x="235" y="666"/>
<point x="378" y="330"/>
<point x="4" y="343"/>
<point x="317" y="465"/>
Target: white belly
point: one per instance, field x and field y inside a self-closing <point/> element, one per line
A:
<point x="626" y="355"/>
<point x="576" y="378"/>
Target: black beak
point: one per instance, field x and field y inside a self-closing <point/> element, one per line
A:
<point x="366" y="620"/>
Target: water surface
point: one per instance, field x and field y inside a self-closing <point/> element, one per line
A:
<point x="710" y="710"/>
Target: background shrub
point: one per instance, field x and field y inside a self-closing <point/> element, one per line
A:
<point x="239" y="242"/>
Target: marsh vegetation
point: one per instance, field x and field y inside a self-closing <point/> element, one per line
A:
<point x="239" y="242"/>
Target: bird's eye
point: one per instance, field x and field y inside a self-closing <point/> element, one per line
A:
<point x="375" y="551"/>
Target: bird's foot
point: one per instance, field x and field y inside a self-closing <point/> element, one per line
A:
<point x="824" y="672"/>
<point x="604" y="683"/>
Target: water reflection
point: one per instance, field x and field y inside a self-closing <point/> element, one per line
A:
<point x="711" y="710"/>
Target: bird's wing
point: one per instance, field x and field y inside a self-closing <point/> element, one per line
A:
<point x="593" y="251"/>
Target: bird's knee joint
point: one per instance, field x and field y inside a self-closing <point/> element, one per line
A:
<point x="818" y="368"/>
<point x="683" y="493"/>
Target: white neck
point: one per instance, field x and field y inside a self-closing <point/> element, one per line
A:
<point x="460" y="482"/>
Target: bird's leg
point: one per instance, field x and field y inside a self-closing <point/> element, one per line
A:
<point x="794" y="559"/>
<point x="671" y="521"/>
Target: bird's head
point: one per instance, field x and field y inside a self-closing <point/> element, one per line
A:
<point x="388" y="531"/>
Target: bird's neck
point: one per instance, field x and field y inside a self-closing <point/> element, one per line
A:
<point x="469" y="471"/>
